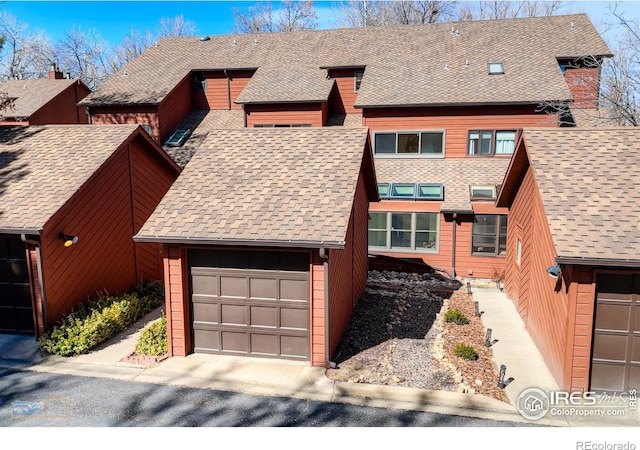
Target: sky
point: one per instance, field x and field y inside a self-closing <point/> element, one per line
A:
<point x="114" y="19"/>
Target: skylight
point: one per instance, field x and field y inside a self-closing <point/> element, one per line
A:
<point x="411" y="191"/>
<point x="482" y="192"/>
<point x="495" y="68"/>
<point x="178" y="137"/>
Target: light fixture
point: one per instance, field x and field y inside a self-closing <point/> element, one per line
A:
<point x="68" y="240"/>
<point x="554" y="271"/>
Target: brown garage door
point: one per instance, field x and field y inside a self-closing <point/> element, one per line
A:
<point x="16" y="313"/>
<point x="250" y="303"/>
<point x="615" y="365"/>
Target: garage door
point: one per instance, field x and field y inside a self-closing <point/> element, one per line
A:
<point x="16" y="315"/>
<point x="615" y="365"/>
<point x="250" y="303"/>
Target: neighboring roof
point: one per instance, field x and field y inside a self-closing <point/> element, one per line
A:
<point x="590" y="118"/>
<point x="42" y="167"/>
<point x="201" y="123"/>
<point x="457" y="174"/>
<point x="586" y="179"/>
<point x="405" y="65"/>
<point x="31" y="95"/>
<point x="284" y="187"/>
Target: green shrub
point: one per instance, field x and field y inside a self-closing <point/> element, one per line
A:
<point x="100" y="319"/>
<point x="153" y="339"/>
<point x="465" y="352"/>
<point x="456" y="316"/>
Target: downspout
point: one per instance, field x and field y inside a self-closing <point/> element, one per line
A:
<point x="226" y="74"/>
<point x="43" y="297"/>
<point x="453" y="246"/>
<point x="325" y="257"/>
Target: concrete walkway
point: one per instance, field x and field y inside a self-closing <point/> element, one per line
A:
<point x="298" y="380"/>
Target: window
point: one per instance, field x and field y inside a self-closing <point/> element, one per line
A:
<point x="410" y="143"/>
<point x="491" y="142"/>
<point x="495" y="68"/>
<point x="489" y="235"/>
<point x="401" y="231"/>
<point x="281" y="125"/>
<point x="199" y="82"/>
<point x="411" y="191"/>
<point x="147" y="128"/>
<point x="482" y="192"/>
<point x="178" y="137"/>
<point x="519" y="253"/>
<point x="357" y="76"/>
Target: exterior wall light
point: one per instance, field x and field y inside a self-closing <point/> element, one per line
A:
<point x="554" y="271"/>
<point x="68" y="240"/>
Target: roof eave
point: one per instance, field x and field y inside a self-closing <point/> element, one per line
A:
<point x="277" y="102"/>
<point x="603" y="262"/>
<point x="239" y="242"/>
<point x="422" y="105"/>
<point x="20" y="230"/>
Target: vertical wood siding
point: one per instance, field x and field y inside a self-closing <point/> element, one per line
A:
<point x="103" y="259"/>
<point x="544" y="311"/>
<point x="456" y="122"/>
<point x="299" y="113"/>
<point x="343" y="96"/>
<point x="174" y="109"/>
<point x="151" y="178"/>
<point x="318" y="331"/>
<point x="36" y="292"/>
<point x="583" y="83"/>
<point x="360" y="259"/>
<point x="176" y="298"/>
<point x="143" y="115"/>
<point x="63" y="109"/>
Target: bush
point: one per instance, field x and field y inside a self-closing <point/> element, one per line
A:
<point x="153" y="339"/>
<point x="98" y="320"/>
<point x="465" y="352"/>
<point x="456" y="316"/>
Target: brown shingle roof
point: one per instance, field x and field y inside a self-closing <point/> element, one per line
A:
<point x="455" y="173"/>
<point x="31" y="95"/>
<point x="405" y="65"/>
<point x="292" y="186"/>
<point x="41" y="167"/>
<point x="587" y="181"/>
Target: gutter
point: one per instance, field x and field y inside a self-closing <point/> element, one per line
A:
<point x="226" y="74"/>
<point x="20" y="231"/>
<point x="453" y="245"/>
<point x="43" y="295"/>
<point x="241" y="242"/>
<point x="606" y="262"/>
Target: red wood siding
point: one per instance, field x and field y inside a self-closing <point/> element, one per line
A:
<point x="174" y="109"/>
<point x="239" y="80"/>
<point x="583" y="83"/>
<point x="317" y="307"/>
<point x="142" y="115"/>
<point x="466" y="264"/>
<point x="456" y="122"/>
<point x="103" y="259"/>
<point x="151" y="178"/>
<point x="360" y="240"/>
<point x="63" y="109"/>
<point x="343" y="95"/>
<point x="36" y="292"/>
<point x="177" y="302"/>
<point x="544" y="311"/>
<point x="219" y="90"/>
<point x="299" y="113"/>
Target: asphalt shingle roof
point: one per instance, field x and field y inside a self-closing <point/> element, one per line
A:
<point x="31" y="95"/>
<point x="41" y="167"/>
<point x="405" y="65"/>
<point x="587" y="179"/>
<point x="457" y="174"/>
<point x="262" y="185"/>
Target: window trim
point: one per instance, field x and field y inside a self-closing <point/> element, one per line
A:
<point x="357" y="80"/>
<point x="412" y="249"/>
<point x="492" y="147"/>
<point x="497" y="236"/>
<point x="410" y="155"/>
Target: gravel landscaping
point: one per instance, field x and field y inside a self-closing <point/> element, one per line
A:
<point x="397" y="335"/>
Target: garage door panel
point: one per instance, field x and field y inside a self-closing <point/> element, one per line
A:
<point x="206" y="340"/>
<point x="634" y="378"/>
<point x="264" y="316"/>
<point x="264" y="344"/>
<point x="233" y="314"/>
<point x="234" y="342"/>
<point x="610" y="347"/>
<point x="204" y="284"/>
<point x="613" y="317"/>
<point x="294" y="290"/>
<point x="16" y="313"/>
<point x="607" y="377"/>
<point x="294" y="318"/>
<point x="263" y="288"/>
<point x="206" y="312"/>
<point x="294" y="346"/>
<point x="635" y="353"/>
<point x="233" y="287"/>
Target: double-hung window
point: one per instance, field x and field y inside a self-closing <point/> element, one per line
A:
<point x="409" y="143"/>
<point x="404" y="231"/>
<point x="489" y="235"/>
<point x="491" y="142"/>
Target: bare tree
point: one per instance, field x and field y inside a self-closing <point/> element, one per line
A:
<point x="374" y="13"/>
<point x="499" y="9"/>
<point x="84" y="55"/>
<point x="175" y="27"/>
<point x="261" y="18"/>
<point x="132" y="46"/>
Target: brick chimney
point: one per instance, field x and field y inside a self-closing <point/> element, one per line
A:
<point x="55" y="74"/>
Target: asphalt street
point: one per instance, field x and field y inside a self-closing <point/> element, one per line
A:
<point x="30" y="399"/>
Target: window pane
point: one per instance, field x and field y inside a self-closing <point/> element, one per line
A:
<point x="502" y="245"/>
<point x="403" y="190"/>
<point x="377" y="221"/>
<point x="383" y="190"/>
<point x="485" y="143"/>
<point x="483" y="192"/>
<point x="485" y="225"/>
<point x="426" y="222"/>
<point x="426" y="240"/>
<point x="484" y="244"/>
<point x="474" y="138"/>
<point x="505" y="142"/>
<point x="385" y="143"/>
<point x="430" y="191"/>
<point x="431" y="143"/>
<point x="377" y="238"/>
<point x="408" y="142"/>
<point x="503" y="225"/>
<point x="401" y="239"/>
<point x="401" y="221"/>
<point x="358" y="79"/>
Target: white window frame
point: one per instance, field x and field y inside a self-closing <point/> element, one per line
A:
<point x="493" y="144"/>
<point x="410" y="155"/>
<point x="412" y="248"/>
